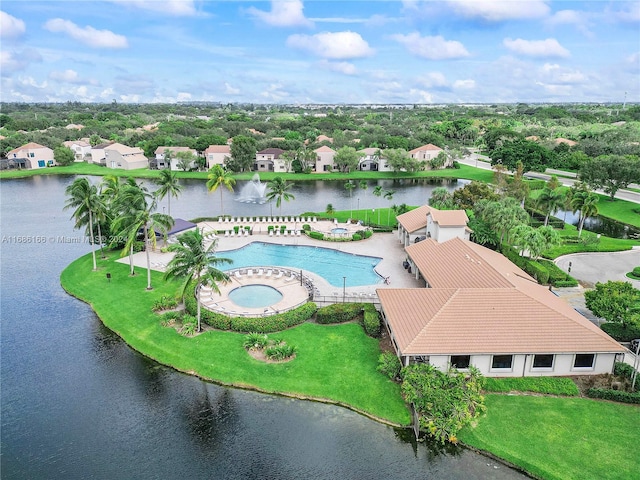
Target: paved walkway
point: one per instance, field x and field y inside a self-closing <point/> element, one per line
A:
<point x="590" y="268"/>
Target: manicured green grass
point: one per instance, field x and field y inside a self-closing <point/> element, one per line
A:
<point x="605" y="244"/>
<point x="560" y="438"/>
<point x="546" y="385"/>
<point x="621" y="210"/>
<point x="336" y="363"/>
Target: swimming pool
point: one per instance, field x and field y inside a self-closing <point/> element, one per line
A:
<point x="255" y="296"/>
<point x="332" y="265"/>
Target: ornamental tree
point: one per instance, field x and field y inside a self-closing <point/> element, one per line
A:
<point x="614" y="301"/>
<point x="611" y="173"/>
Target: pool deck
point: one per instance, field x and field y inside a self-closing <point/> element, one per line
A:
<point x="384" y="245"/>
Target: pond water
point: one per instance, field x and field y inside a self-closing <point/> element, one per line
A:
<point x="602" y="225"/>
<point x="78" y="403"/>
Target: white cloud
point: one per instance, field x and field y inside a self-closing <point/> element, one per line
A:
<point x="87" y="35"/>
<point x="497" y="11"/>
<point x="464" y="84"/>
<point x="183" y="97"/>
<point x="431" y="48"/>
<point x="229" y="90"/>
<point x="168" y="7"/>
<point x="536" y="48"/>
<point x="555" y="74"/>
<point x="629" y="13"/>
<point x="274" y="92"/>
<point x="632" y="62"/>
<point x="11" y="27"/>
<point x="284" y="13"/>
<point x="70" y="76"/>
<point x="15" y="61"/>
<point x="433" y="80"/>
<point x="419" y="96"/>
<point x="580" y="20"/>
<point x="332" y="45"/>
<point x="340" y="67"/>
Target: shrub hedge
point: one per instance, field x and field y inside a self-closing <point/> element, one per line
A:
<point x="371" y="320"/>
<point x="338" y="313"/>
<point x="614" y="395"/>
<point x="272" y="323"/>
<point x="546" y="385"/>
<point x="544" y="271"/>
<point x="620" y="333"/>
<point x="316" y="235"/>
<point x="355" y="237"/>
<point x="389" y="365"/>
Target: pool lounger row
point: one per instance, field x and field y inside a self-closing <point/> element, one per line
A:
<point x="268" y="220"/>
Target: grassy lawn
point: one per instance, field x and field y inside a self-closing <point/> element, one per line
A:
<point x="336" y="363"/>
<point x="606" y="244"/>
<point x="561" y="438"/>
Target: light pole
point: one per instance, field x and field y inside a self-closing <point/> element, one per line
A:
<point x="358" y="217"/>
<point x="344" y="288"/>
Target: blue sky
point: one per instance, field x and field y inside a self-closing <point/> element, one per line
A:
<point x="296" y="51"/>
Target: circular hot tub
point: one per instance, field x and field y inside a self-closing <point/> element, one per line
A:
<point x="255" y="296"/>
<point x="339" y="230"/>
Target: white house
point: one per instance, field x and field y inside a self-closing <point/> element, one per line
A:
<point x="98" y="155"/>
<point x="270" y="160"/>
<point x="118" y="155"/>
<point x="217" y="154"/>
<point x="371" y="160"/>
<point x="81" y="149"/>
<point x="427" y="152"/>
<point x="428" y="222"/>
<point x="324" y="159"/>
<point x="31" y="155"/>
<point x="480" y="309"/>
<point x="161" y="154"/>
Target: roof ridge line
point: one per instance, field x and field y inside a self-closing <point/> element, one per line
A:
<point x="435" y="315"/>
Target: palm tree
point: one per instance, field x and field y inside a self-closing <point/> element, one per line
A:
<point x="83" y="197"/>
<point x="137" y="213"/>
<point x="388" y="195"/>
<point x="195" y="260"/>
<point x="550" y="201"/>
<point x="218" y="177"/>
<point x="169" y="186"/>
<point x="279" y="189"/>
<point x="377" y="191"/>
<point x="586" y="204"/>
<point x="350" y="186"/>
<point x="330" y="210"/>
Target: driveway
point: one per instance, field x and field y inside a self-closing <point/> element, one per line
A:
<point x="590" y="268"/>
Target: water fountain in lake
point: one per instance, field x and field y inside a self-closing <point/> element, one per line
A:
<point x="253" y="191"/>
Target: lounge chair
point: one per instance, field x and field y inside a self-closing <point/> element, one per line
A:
<point x="249" y="273"/>
<point x="271" y="233"/>
<point x="269" y="272"/>
<point x="279" y="275"/>
<point x="259" y="273"/>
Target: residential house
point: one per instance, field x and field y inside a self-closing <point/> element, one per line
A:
<point x="31" y="155"/>
<point x="217" y="154"/>
<point x="270" y="160"/>
<point x="122" y="156"/>
<point x="81" y="149"/>
<point x="98" y="155"/>
<point x="323" y="138"/>
<point x="428" y="222"/>
<point x="173" y="163"/>
<point x="371" y="160"/>
<point x="480" y="309"/>
<point x="428" y="152"/>
<point x="324" y="159"/>
<point x="566" y="141"/>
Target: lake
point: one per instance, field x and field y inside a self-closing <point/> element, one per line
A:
<point x="78" y="403"/>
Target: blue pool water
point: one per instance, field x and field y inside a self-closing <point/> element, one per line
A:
<point x="255" y="296"/>
<point x="332" y="265"/>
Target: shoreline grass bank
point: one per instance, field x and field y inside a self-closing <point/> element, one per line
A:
<point x="334" y="364"/>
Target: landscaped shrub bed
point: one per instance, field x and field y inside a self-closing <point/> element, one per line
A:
<point x="620" y="333"/>
<point x="338" y="313"/>
<point x="621" y="369"/>
<point x="547" y="385"/>
<point x="558" y="275"/>
<point x="389" y="365"/>
<point x="272" y="323"/>
<point x="614" y="395"/>
<point x="371" y="320"/>
<point x="165" y="302"/>
<point x="543" y="270"/>
<point x="316" y="235"/>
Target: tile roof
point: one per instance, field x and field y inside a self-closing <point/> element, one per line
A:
<point x="27" y="146"/>
<point x="124" y="149"/>
<point x="323" y="149"/>
<point x="218" y="149"/>
<point x="173" y="149"/>
<point x="428" y="146"/>
<point x="414" y="219"/>
<point x="450" y="218"/>
<point x="470" y="321"/>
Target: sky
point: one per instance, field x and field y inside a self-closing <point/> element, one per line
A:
<point x="320" y="51"/>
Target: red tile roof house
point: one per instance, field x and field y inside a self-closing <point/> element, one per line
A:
<point x="324" y="159"/>
<point x="217" y="155"/>
<point x="118" y="155"/>
<point x="428" y="152"/>
<point x="98" y="155"/>
<point x="81" y="149"/>
<point x="268" y="160"/>
<point x="31" y="155"/>
<point x="161" y="162"/>
<point x="480" y="309"/>
<point x="428" y="222"/>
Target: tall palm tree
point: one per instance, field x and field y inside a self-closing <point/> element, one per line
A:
<point x="586" y="204"/>
<point x="218" y="177"/>
<point x="350" y="186"/>
<point x="83" y="197"/>
<point x="168" y="186"/>
<point x="388" y="195"/>
<point x="550" y="201"/>
<point x="377" y="191"/>
<point x="279" y="189"/>
<point x="195" y="260"/>
<point x="137" y="207"/>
